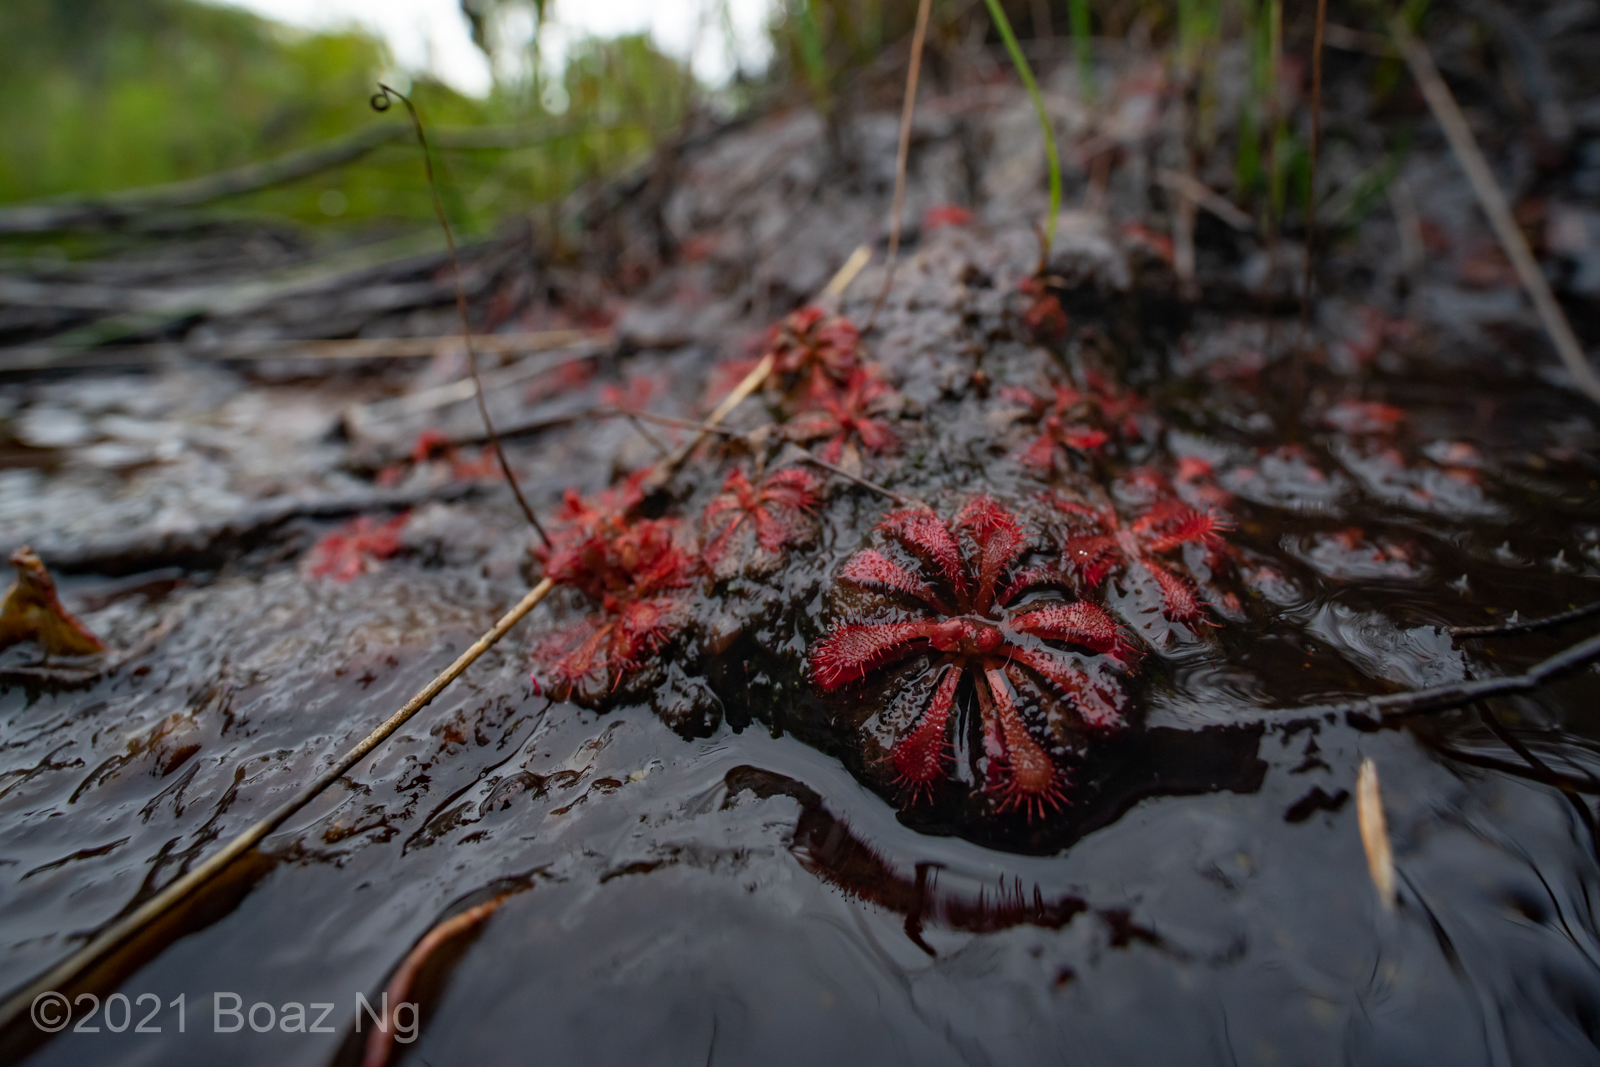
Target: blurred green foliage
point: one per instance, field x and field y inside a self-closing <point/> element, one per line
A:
<point x="106" y="94"/>
<point x="112" y="94"/>
<point x="817" y="42"/>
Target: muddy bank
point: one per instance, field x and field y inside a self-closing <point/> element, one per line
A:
<point x="747" y="876"/>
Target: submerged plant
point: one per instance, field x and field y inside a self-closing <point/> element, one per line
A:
<point x="1101" y="546"/>
<point x="955" y="606"/>
<point x="1077" y="419"/>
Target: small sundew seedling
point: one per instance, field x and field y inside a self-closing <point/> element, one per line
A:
<point x="747" y="520"/>
<point x="849" y="416"/>
<point x="635" y="571"/>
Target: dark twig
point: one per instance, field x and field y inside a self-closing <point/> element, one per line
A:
<point x="1527" y="626"/>
<point x="1509" y="739"/>
<point x="551" y="422"/>
<point x="899" y="498"/>
<point x="1541" y="770"/>
<point x="644" y="431"/>
<point x="110" y="211"/>
<point x="684" y="424"/>
<point x="380" y="102"/>
<point x="666" y="468"/>
<point x="1373" y="711"/>
<point x="805" y="456"/>
<point x="1567" y="783"/>
<point x="77" y="213"/>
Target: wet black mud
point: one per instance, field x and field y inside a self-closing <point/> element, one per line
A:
<point x="717" y="866"/>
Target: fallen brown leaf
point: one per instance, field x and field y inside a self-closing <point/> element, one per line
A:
<point x="32" y="612"/>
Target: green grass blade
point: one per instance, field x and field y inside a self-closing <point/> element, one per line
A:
<point x="811" y="52"/>
<point x="1025" y="72"/>
<point x="1078" y="14"/>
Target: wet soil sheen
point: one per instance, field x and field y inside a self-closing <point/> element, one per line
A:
<point x="718" y="866"/>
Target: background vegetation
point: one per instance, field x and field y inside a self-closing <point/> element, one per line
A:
<point x="102" y="95"/>
<point x="112" y="94"/>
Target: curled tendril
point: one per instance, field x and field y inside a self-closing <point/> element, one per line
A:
<point x="382" y="100"/>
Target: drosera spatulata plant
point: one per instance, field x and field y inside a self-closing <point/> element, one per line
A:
<point x="960" y="612"/>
